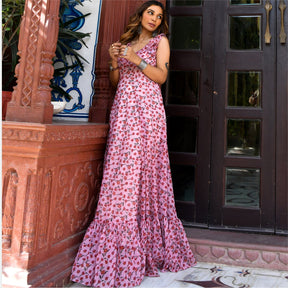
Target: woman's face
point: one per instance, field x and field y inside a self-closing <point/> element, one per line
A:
<point x="152" y="18"/>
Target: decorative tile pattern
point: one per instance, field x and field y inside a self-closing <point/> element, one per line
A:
<point x="216" y="276"/>
<point x="70" y="13"/>
<point x="249" y="255"/>
<point x="77" y="82"/>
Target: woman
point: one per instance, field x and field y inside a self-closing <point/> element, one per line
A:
<point x="135" y="231"/>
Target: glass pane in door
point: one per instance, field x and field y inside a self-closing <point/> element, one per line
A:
<point x="242" y="187"/>
<point x="245" y="2"/>
<point x="183" y="182"/>
<point x="186" y="2"/>
<point x="245" y="32"/>
<point x="243" y="137"/>
<point x="244" y="89"/>
<point x="185" y="32"/>
<point x="183" y="87"/>
<point x="182" y="134"/>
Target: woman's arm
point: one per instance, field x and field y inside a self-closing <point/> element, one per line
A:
<point x="113" y="65"/>
<point x="114" y="73"/>
<point x="158" y="73"/>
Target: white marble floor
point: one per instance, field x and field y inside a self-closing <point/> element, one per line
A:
<point x="216" y="276"/>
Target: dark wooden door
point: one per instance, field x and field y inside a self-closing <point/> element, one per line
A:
<point x="282" y="119"/>
<point x="188" y="106"/>
<point x="221" y="100"/>
<point x="243" y="150"/>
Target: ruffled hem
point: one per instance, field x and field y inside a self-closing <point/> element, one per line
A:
<point x="178" y="254"/>
<point x="112" y="254"/>
<point x="173" y="253"/>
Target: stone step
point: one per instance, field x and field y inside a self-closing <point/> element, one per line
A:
<point x="239" y="248"/>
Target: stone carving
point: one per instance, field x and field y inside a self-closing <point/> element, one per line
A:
<point x="20" y="134"/>
<point x="50" y="227"/>
<point x="218" y="252"/>
<point x="81" y="197"/>
<point x="9" y="196"/>
<point x="98" y="178"/>
<point x="268" y="256"/>
<point x="45" y="202"/>
<point x="63" y="177"/>
<point x="283" y="258"/>
<point x="63" y="196"/>
<point x="246" y="255"/>
<point x="84" y="174"/>
<point x="251" y="255"/>
<point x="50" y="36"/>
<point x="202" y="250"/>
<point x="78" y="187"/>
<point x="234" y="253"/>
<point x="26" y="96"/>
<point x="59" y="230"/>
<point x="32" y="134"/>
<point x="30" y="213"/>
<point x="31" y="98"/>
<point x="69" y="135"/>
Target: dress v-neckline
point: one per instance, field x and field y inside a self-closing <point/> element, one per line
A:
<point x="143" y="46"/>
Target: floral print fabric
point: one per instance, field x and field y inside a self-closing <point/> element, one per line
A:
<point x="135" y="231"/>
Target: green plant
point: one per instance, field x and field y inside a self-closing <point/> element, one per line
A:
<point x="65" y="50"/>
<point x="12" y="11"/>
<point x="68" y="34"/>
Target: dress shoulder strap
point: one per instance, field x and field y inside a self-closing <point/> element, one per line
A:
<point x="155" y="41"/>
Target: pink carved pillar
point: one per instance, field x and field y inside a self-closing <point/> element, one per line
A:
<point x="112" y="23"/>
<point x="31" y="98"/>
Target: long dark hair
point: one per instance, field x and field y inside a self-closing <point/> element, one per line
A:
<point x="131" y="31"/>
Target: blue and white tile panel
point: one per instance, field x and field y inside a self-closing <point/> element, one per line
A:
<point x="78" y="83"/>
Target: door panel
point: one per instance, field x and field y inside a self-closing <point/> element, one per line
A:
<point x="282" y="124"/>
<point x="221" y="105"/>
<point x="188" y="103"/>
<point x="243" y="136"/>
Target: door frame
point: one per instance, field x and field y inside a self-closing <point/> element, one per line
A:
<point x="274" y="203"/>
<point x="282" y="127"/>
<point x="195" y="212"/>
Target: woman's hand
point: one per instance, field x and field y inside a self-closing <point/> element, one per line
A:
<point x="114" y="51"/>
<point x="128" y="53"/>
<point x="157" y="74"/>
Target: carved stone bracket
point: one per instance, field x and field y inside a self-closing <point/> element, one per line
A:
<point x="31" y="98"/>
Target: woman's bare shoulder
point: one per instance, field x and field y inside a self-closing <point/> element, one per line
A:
<point x="163" y="43"/>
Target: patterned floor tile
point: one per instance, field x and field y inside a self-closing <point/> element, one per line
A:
<point x="211" y="275"/>
<point x="215" y="275"/>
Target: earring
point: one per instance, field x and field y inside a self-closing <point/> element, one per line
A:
<point x="139" y="30"/>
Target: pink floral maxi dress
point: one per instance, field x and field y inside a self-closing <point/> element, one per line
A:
<point x="135" y="231"/>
